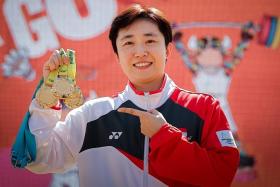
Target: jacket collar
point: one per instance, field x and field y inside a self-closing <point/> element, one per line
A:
<point x="139" y="92"/>
<point x="150" y="100"/>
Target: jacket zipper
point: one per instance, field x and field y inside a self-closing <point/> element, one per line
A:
<point x="146" y="147"/>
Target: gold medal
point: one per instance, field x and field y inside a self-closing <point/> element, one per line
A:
<point x="75" y="100"/>
<point x="61" y="84"/>
<point x="45" y="97"/>
<point x="62" y="87"/>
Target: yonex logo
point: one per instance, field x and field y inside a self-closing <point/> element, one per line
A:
<point x="115" y="135"/>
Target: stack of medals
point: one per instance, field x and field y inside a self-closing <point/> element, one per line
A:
<point x="61" y="85"/>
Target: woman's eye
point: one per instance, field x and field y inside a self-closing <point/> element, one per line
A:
<point x="150" y="41"/>
<point x="128" y="43"/>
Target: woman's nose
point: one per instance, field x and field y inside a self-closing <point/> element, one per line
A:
<point x="140" y="51"/>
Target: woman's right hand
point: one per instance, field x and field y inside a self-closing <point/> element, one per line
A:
<point x="54" y="62"/>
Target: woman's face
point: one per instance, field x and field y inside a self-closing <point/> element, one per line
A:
<point x="142" y="52"/>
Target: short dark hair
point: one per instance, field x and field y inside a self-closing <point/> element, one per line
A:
<point x="135" y="12"/>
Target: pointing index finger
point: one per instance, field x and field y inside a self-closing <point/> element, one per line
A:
<point x="131" y="111"/>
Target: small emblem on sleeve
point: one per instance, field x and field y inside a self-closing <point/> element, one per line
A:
<point x="184" y="132"/>
<point x="226" y="139"/>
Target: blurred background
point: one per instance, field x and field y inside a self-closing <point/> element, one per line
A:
<point x="31" y="29"/>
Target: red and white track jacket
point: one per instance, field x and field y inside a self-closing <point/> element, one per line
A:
<point x="195" y="148"/>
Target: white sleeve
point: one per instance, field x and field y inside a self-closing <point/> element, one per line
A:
<point x="58" y="142"/>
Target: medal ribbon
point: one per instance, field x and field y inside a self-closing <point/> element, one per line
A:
<point x="71" y="66"/>
<point x="67" y="71"/>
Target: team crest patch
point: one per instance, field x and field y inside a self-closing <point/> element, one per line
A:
<point x="226" y="139"/>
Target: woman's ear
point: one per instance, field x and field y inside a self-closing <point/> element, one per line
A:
<point x="168" y="49"/>
<point x="116" y="56"/>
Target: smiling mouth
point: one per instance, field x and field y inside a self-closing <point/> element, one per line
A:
<point x="142" y="64"/>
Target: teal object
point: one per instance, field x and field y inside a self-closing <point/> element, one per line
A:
<point x="24" y="148"/>
<point x="273" y="27"/>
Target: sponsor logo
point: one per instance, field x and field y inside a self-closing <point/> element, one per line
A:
<point x="115" y="135"/>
